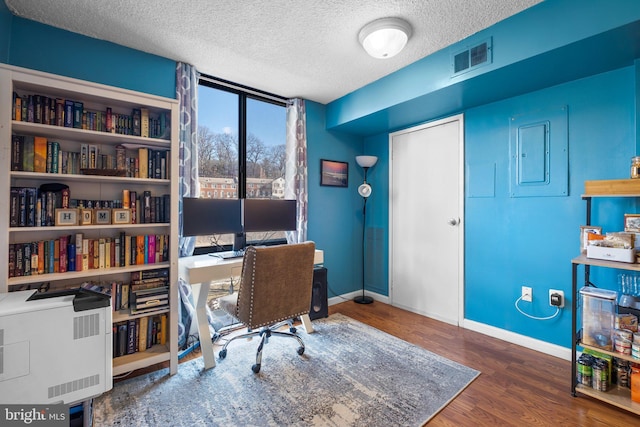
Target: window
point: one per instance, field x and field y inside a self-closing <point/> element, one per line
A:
<point x="241" y="150"/>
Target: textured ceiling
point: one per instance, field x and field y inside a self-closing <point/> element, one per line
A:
<point x="303" y="48"/>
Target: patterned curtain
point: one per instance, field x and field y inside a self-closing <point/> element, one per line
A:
<point x="296" y="167"/>
<point x="187" y="95"/>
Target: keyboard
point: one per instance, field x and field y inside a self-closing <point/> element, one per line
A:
<point x="228" y="255"/>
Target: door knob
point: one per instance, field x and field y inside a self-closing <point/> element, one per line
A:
<point x="452" y="221"/>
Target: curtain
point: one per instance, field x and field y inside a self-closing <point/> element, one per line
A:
<point x="296" y="166"/>
<point x="186" y="93"/>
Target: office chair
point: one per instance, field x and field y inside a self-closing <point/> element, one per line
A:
<point x="275" y="287"/>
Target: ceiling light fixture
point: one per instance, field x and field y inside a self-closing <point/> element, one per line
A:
<point x="385" y="38"/>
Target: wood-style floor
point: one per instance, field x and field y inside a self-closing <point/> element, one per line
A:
<point x="516" y="387"/>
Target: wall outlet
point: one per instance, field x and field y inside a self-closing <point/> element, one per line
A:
<point x="527" y="294"/>
<point x="556" y="298"/>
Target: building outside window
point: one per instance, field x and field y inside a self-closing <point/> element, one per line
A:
<point x="241" y="151"/>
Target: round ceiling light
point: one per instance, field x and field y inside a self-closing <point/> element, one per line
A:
<point x="385" y="38"/>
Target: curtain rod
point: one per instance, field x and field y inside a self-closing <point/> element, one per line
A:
<point x="246" y="89"/>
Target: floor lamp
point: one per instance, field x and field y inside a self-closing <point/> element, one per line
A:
<point x="364" y="190"/>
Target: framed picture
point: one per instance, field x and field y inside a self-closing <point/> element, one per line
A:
<point x="632" y="222"/>
<point x="102" y="216"/>
<point x="584" y="238"/>
<point x="86" y="217"/>
<point x="66" y="217"/>
<point x="121" y="216"/>
<point x="334" y="173"/>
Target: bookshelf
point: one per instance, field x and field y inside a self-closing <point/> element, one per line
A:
<point x="98" y="153"/>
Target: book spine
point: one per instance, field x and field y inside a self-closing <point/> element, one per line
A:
<point x="144" y="122"/>
<point x="28" y="154"/>
<point x="133" y="204"/>
<point x="16" y="113"/>
<point x="12" y="260"/>
<point x="17" y="147"/>
<point x="55" y="153"/>
<point x="41" y="256"/>
<point x="56" y="256"/>
<point x="68" y="113"/>
<point x="78" y="109"/>
<point x="64" y="240"/>
<point x="40" y="154"/>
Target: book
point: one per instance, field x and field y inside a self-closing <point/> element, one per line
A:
<point x="28" y="153"/>
<point x="55" y="153"/>
<point x="150" y="274"/>
<point x="12" y="260"/>
<point x="142" y="336"/>
<point x="151" y="249"/>
<point x="145" y="216"/>
<point x="144" y="122"/>
<point x="140" y="250"/>
<point x="63" y="243"/>
<point x="68" y="113"/>
<point x="40" y="154"/>
<point x="143" y="157"/>
<point x="16" y="113"/>
<point x="17" y="150"/>
<point x="122" y="339"/>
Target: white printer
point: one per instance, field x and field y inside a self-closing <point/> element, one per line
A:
<point x="54" y="347"/>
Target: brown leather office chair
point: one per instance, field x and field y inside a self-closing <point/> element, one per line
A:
<point x="275" y="287"/>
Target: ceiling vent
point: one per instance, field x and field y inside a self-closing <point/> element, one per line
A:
<point x="472" y="57"/>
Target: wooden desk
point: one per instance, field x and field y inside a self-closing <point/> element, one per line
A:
<point x="199" y="271"/>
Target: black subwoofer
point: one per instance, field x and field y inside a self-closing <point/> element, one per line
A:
<point x="319" y="297"/>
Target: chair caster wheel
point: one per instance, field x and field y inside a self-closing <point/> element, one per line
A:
<point x="222" y="354"/>
<point x="300" y="351"/>
<point x="255" y="368"/>
<point x="292" y="329"/>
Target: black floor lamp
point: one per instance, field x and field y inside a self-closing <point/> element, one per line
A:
<point x="365" y="191"/>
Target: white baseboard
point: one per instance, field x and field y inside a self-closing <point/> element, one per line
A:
<point x="521" y="340"/>
<point x="492" y="331"/>
<point x="352" y="295"/>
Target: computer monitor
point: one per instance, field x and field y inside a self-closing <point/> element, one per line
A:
<point x="269" y="215"/>
<point x="203" y="217"/>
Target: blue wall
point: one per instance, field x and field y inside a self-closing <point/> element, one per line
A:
<point x="45" y="48"/>
<point x="335" y="213"/>
<point x="578" y="54"/>
<point x="515" y="241"/>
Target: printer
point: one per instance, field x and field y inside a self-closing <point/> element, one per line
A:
<point x="55" y="347"/>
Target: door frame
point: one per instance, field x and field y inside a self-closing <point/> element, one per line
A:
<point x="461" y="224"/>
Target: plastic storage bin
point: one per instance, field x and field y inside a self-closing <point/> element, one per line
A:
<point x="598" y="317"/>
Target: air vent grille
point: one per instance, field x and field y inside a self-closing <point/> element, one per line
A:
<point x="86" y="326"/>
<point x="471" y="58"/>
<point x="75" y="385"/>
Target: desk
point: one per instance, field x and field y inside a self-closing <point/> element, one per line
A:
<point x="202" y="270"/>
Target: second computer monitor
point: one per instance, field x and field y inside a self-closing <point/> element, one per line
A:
<point x="269" y="215"/>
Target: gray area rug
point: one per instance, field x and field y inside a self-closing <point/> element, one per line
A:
<point x="350" y="375"/>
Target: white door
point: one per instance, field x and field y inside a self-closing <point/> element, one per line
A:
<point x="426" y="207"/>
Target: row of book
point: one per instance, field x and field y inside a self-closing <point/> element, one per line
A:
<point x="40" y="154"/>
<point x="140" y="334"/>
<point x="36" y="108"/>
<point x="36" y="206"/>
<point x="78" y="253"/>
<point x="146" y="292"/>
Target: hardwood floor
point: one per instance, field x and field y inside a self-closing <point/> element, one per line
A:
<point x="516" y="387"/>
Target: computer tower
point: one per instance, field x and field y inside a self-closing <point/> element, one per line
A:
<point x="319" y="295"/>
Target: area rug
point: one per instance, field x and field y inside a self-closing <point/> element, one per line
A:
<point x="350" y="375"/>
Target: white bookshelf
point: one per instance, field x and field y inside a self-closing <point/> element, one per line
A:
<point x="95" y="97"/>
